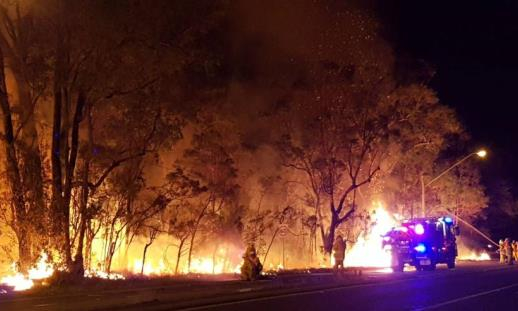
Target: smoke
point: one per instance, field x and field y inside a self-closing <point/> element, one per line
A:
<point x="275" y="45"/>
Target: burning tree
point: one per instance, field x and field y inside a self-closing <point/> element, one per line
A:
<point x="104" y="75"/>
<point x="349" y="123"/>
<point x="340" y="152"/>
<point x="22" y="56"/>
<point x="126" y="126"/>
<point x="209" y="163"/>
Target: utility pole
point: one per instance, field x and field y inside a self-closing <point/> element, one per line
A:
<point x="423" y="207"/>
<point x="481" y="154"/>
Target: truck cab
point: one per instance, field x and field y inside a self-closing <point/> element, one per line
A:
<point x="423" y="243"/>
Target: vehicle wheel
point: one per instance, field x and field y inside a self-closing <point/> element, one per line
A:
<point x="451" y="264"/>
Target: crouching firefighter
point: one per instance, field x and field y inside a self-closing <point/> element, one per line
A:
<point x="252" y="267"/>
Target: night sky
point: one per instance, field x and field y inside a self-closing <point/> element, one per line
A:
<point x="473" y="47"/>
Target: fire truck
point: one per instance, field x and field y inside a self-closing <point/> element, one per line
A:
<point x="422" y="243"/>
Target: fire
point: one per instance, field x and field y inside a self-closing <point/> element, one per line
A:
<point x="103" y="275"/>
<point x="199" y="265"/>
<point x="278" y="267"/>
<point x="18" y="281"/>
<point x="206" y="266"/>
<point x="42" y="270"/>
<point x="476" y="257"/>
<point x="367" y="251"/>
<point x="149" y="268"/>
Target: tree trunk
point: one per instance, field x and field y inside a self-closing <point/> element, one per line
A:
<point x="328" y="244"/>
<point x="113" y="247"/>
<point x="320" y="219"/>
<point x="90" y="235"/>
<point x="144" y="259"/>
<point x="193" y="235"/>
<point x="270" y="245"/>
<point x="24" y="249"/>
<point x="85" y="189"/>
<point x="111" y="252"/>
<point x="30" y="164"/>
<point x="58" y="213"/>
<point x="88" y="252"/>
<point x="79" y="267"/>
<point x="214" y="258"/>
<point x="13" y="174"/>
<point x="59" y="154"/>
<point x="71" y="164"/>
<point x="180" y="247"/>
<point x="191" y="246"/>
<point x="152" y="236"/>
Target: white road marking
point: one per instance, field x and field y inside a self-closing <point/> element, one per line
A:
<point x="322" y="291"/>
<point x="453" y="301"/>
<point x="310" y="292"/>
<point x="243" y="290"/>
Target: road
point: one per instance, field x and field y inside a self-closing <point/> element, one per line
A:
<point x="471" y="286"/>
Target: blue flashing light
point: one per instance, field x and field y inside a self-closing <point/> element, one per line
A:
<point x="448" y="220"/>
<point x="419" y="229"/>
<point x="420" y="248"/>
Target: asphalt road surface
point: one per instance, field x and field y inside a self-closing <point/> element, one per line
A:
<point x="471" y="286"/>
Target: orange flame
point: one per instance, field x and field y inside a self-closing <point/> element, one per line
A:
<point x="42" y="270"/>
<point x="476" y="257"/>
<point x="367" y="251"/>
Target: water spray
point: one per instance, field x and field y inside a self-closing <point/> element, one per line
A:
<point x="476" y="230"/>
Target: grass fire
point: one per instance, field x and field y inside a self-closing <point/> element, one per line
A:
<point x="211" y="144"/>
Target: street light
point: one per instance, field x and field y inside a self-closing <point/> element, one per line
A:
<point x="481" y="154"/>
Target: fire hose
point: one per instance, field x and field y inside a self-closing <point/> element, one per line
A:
<point x="476" y="230"/>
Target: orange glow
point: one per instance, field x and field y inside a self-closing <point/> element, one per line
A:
<point x="149" y="268"/>
<point x="367" y="251"/>
<point x="475" y="256"/>
<point x="42" y="270"/>
<point x="103" y="275"/>
<point x="161" y="257"/>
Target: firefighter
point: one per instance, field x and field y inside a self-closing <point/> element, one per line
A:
<point x="515" y="250"/>
<point x="502" y="251"/>
<point x="508" y="251"/>
<point x="339" y="253"/>
<point x="252" y="267"/>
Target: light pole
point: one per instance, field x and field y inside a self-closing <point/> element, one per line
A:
<point x="481" y="154"/>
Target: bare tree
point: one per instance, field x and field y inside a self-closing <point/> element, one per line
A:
<point x="152" y="235"/>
